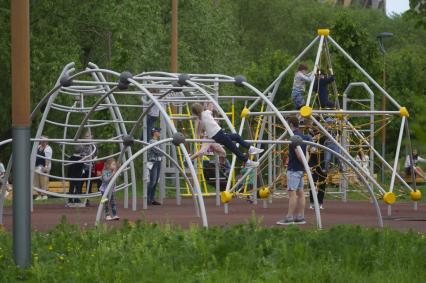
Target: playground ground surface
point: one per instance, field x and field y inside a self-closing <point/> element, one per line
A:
<point x="46" y="216"/>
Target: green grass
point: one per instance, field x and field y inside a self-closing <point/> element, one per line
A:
<point x="140" y="252"/>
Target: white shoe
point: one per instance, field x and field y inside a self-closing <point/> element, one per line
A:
<point x="44" y="198"/>
<point x="321" y="207"/>
<point x="251" y="164"/>
<point x="254" y="150"/>
<point x="116" y="217"/>
<point x="311" y="206"/>
<point x="286" y="221"/>
<point x="108" y="218"/>
<point x="38" y="198"/>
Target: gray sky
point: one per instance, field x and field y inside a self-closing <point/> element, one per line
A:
<point x="397" y="6"/>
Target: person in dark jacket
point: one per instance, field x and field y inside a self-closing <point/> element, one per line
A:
<point x="321" y="87"/>
<point x="75" y="171"/>
<point x="154" y="166"/>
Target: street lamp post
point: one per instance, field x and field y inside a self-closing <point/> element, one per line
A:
<point x="20" y="55"/>
<point x="380" y="39"/>
<point x="174" y="47"/>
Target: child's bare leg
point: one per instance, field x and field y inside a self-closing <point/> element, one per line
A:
<point x="203" y="150"/>
<point x="420" y="172"/>
<point x="292" y="204"/>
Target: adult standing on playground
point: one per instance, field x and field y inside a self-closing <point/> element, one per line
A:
<point x="154" y="166"/>
<point x="42" y="167"/>
<point x="89" y="152"/>
<point x="295" y="179"/>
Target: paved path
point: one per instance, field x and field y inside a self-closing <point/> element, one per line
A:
<point x="46" y="216"/>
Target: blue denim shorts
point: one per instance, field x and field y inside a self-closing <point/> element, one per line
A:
<point x="298" y="98"/>
<point x="295" y="180"/>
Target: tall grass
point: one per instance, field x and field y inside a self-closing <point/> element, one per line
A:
<point x="140" y="252"/>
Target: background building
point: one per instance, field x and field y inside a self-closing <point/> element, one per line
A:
<point x="373" y="4"/>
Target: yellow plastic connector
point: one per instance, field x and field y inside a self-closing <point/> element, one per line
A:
<point x="404" y="112"/>
<point x="306" y="111"/>
<point x="245" y="113"/>
<point x="323" y="31"/>
<point x="416" y="195"/>
<point x="225" y="197"/>
<point x="389" y="198"/>
<point x="264" y="192"/>
<point x="340" y="116"/>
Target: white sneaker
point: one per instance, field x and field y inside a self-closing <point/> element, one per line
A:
<point x="311" y="206"/>
<point x="38" y="198"/>
<point x="108" y="218"/>
<point x="321" y="207"/>
<point x="116" y="217"/>
<point x="251" y="164"/>
<point x="44" y="197"/>
<point x="254" y="150"/>
<point x="286" y="221"/>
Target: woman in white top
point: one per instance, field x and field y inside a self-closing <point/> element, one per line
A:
<point x="215" y="132"/>
<point x="417" y="170"/>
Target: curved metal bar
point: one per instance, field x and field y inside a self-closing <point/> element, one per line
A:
<point x="183" y="150"/>
<point x="5" y="142"/>
<point x="108" y="189"/>
<point x="80" y="196"/>
<point x="116" y="114"/>
<point x="99" y="101"/>
<point x="75" y="125"/>
<point x="67" y="69"/>
<point x="181" y="171"/>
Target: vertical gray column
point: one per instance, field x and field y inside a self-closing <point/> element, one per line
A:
<point x="21" y="196"/>
<point x="20" y="66"/>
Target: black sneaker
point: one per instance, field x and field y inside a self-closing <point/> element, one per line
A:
<point x="300" y="221"/>
<point x="154" y="202"/>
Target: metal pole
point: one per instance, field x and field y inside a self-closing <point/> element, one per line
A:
<point x="398" y="147"/>
<point x="20" y="48"/>
<point x="384" y="121"/>
<point x="174" y="47"/>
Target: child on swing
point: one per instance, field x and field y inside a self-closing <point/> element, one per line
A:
<point x="215" y="132"/>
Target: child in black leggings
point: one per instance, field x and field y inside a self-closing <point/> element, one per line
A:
<point x="215" y="132"/>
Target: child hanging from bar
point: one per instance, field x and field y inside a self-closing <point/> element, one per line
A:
<point x="208" y="147"/>
<point x="215" y="132"/>
<point x="109" y="171"/>
<point x="300" y="79"/>
<point x="321" y="87"/>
